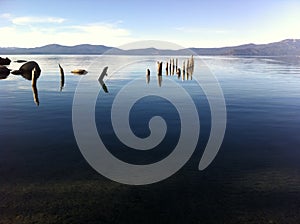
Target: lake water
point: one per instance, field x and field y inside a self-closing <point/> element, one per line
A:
<point x="255" y="178"/>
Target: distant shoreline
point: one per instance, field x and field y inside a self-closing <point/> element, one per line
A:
<point x="289" y="47"/>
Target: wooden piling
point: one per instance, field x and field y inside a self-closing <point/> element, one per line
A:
<point x="62" y="77"/>
<point x="159" y="68"/>
<point x="173" y="66"/>
<point x="167" y="68"/>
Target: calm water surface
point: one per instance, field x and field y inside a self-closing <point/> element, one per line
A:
<point x="256" y="173"/>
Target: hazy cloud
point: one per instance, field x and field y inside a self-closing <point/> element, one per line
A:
<point x="6" y="16"/>
<point x="197" y="30"/>
<point x="101" y="33"/>
<point x="27" y="20"/>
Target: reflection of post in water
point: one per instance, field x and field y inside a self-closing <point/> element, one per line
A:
<point x="183" y="70"/>
<point x="148" y="75"/>
<point x="35" y="76"/>
<point x="178" y="72"/>
<point x="62" y="77"/>
<point x="35" y="95"/>
<point x="159" y="78"/>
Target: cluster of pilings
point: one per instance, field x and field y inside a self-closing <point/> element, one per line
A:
<point x="172" y="67"/>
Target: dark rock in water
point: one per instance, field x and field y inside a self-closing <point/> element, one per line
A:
<point x="79" y="71"/>
<point x="20" y="61"/>
<point x="26" y="70"/>
<point x="4" y="61"/>
<point x="4" y="72"/>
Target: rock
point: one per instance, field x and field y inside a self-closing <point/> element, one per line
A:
<point x="26" y="70"/>
<point x="4" y="72"/>
<point x="5" y="61"/>
<point x="79" y="71"/>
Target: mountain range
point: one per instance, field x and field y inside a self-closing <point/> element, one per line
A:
<point x="288" y="47"/>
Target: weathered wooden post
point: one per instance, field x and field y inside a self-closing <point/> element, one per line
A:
<point x="173" y="66"/>
<point x="188" y="68"/>
<point x="192" y="68"/>
<point x="62" y="77"/>
<point x="148" y="75"/>
<point x="159" y="68"/>
<point x="167" y="68"/>
<point x="176" y="64"/>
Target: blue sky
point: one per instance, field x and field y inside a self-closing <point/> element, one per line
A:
<point x="201" y="23"/>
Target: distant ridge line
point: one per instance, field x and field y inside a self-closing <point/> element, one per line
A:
<point x="288" y="47"/>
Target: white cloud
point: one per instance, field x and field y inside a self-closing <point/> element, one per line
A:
<point x="5" y="16"/>
<point x="32" y="31"/>
<point x="27" y="20"/>
<point x="104" y="29"/>
<point x="107" y="34"/>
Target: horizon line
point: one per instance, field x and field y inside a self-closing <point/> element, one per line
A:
<point x="251" y="43"/>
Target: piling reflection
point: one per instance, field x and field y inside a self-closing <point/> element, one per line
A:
<point x="35" y="74"/>
<point x="35" y="95"/>
<point x="159" y="79"/>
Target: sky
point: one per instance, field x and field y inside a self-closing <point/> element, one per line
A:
<point x="190" y="23"/>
